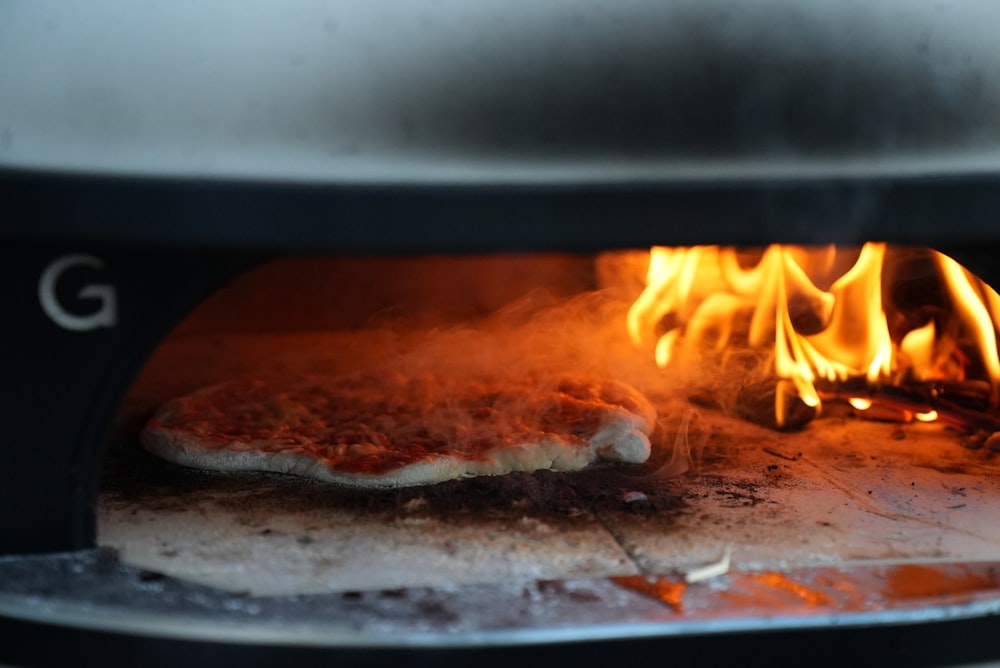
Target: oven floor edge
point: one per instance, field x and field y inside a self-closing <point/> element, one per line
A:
<point x="91" y="594"/>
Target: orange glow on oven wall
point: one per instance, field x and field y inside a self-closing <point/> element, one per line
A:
<point x="819" y="314"/>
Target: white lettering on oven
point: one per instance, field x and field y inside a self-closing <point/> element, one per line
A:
<point x="106" y="314"/>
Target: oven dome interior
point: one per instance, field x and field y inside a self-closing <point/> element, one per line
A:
<point x="840" y="491"/>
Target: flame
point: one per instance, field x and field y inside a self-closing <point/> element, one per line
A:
<point x="967" y="294"/>
<point x="701" y="301"/>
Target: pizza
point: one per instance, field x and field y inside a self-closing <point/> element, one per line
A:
<point x="387" y="429"/>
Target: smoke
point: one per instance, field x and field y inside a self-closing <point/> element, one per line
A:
<point x="542" y="340"/>
<point x="443" y="319"/>
<point x="536" y="334"/>
<point x="680" y="460"/>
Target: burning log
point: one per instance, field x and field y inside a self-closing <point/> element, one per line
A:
<point x="826" y="327"/>
<point x="960" y="405"/>
<point x="963" y="406"/>
<point x="763" y="401"/>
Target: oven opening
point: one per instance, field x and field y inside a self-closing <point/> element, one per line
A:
<point x="814" y="407"/>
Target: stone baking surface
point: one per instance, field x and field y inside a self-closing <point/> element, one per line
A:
<point x="841" y="491"/>
<point x="272" y="534"/>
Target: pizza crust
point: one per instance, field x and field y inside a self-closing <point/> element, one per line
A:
<point x="527" y="427"/>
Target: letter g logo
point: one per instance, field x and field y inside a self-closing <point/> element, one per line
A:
<point x="105" y="316"/>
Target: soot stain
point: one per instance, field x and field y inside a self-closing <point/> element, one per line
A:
<point x="133" y="477"/>
<point x="610" y="490"/>
<point x="730" y="490"/>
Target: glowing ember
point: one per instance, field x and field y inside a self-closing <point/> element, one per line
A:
<point x="860" y="403"/>
<point x="929" y="416"/>
<point x="819" y="315"/>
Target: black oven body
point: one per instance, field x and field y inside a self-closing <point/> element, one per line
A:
<point x="91" y="290"/>
<point x="148" y="156"/>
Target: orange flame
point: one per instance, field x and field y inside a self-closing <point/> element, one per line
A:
<point x="698" y="300"/>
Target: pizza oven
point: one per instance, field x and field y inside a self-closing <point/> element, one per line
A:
<point x="191" y="196"/>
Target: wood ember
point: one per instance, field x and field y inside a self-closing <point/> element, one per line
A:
<point x="961" y="406"/>
<point x="964" y="406"/>
<point x="884" y="413"/>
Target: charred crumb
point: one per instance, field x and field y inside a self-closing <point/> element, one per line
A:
<point x="550" y="586"/>
<point x="394" y="593"/>
<point x="742" y="498"/>
<point x="583" y="596"/>
<point x="741" y="491"/>
<point x="637" y="502"/>
<point x="437" y="611"/>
